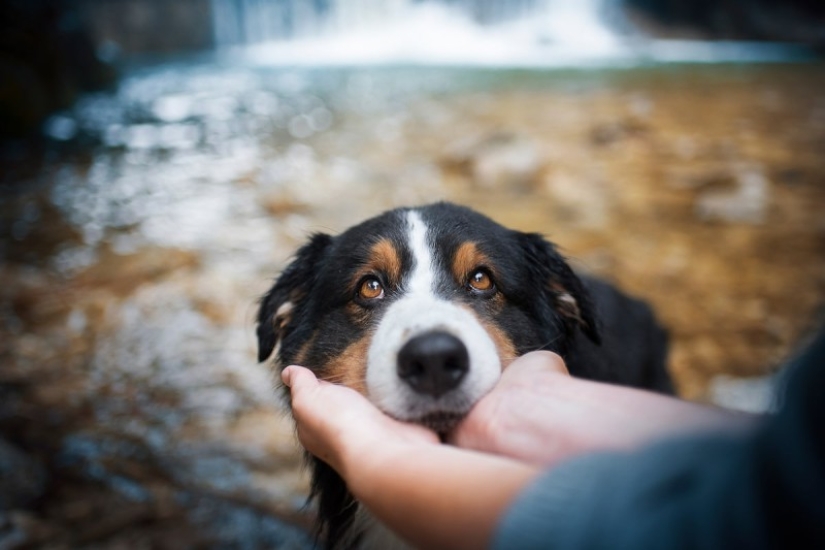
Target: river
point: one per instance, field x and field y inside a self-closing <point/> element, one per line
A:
<point x="134" y="252"/>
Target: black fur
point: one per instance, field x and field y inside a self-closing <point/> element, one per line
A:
<point x="294" y="285"/>
<point x="634" y="347"/>
<point x="601" y="333"/>
<point x="336" y="506"/>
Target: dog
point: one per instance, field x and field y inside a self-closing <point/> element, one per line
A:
<point x="420" y="309"/>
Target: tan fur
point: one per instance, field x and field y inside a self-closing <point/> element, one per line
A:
<point x="467" y="258"/>
<point x="504" y="346"/>
<point x="301" y="356"/>
<point x="384" y="258"/>
<point x="350" y="367"/>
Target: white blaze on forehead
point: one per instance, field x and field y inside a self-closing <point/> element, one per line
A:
<point x="422" y="279"/>
<point x="417" y="311"/>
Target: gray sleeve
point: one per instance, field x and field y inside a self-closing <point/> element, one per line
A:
<point x="540" y="516"/>
<point x="761" y="489"/>
<point x="667" y="496"/>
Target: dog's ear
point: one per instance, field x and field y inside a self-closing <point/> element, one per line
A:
<point x="566" y="293"/>
<point x="277" y="306"/>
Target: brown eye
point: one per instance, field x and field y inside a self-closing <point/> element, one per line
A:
<point x="480" y="281"/>
<point x="371" y="289"/>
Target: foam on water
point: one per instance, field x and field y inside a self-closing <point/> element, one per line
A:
<point x="555" y="33"/>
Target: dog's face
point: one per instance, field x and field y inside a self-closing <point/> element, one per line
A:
<point x="420" y="309"/>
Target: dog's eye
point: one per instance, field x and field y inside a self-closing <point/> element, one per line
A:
<point x="371" y="289"/>
<point x="480" y="281"/>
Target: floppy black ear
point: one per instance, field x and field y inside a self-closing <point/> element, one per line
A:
<point x="294" y="284"/>
<point x="565" y="290"/>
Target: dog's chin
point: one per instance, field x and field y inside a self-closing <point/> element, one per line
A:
<point x="441" y="422"/>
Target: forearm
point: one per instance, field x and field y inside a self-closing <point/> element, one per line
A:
<point x="623" y="418"/>
<point x="436" y="496"/>
<point x="547" y="417"/>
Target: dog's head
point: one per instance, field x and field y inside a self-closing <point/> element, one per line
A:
<point x="420" y="309"/>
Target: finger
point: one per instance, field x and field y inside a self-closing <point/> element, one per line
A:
<point x="536" y="362"/>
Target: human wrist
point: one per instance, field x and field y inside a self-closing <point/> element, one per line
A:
<point x="362" y="466"/>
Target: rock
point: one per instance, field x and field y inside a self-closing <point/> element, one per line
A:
<point x="585" y="202"/>
<point x="747" y="202"/>
<point x="20" y="529"/>
<point x="496" y="160"/>
<point x="47" y="60"/>
<point x="22" y="477"/>
<point x="776" y="20"/>
<point x="697" y="176"/>
<point x="24" y="101"/>
<point x="756" y="394"/>
<point x="152" y="26"/>
<point x="612" y="132"/>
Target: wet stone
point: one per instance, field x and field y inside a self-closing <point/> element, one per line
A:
<point x="746" y="202"/>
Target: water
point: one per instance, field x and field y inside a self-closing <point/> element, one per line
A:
<point x="531" y="34"/>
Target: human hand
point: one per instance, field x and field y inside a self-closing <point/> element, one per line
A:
<point x="517" y="418"/>
<point x="339" y="425"/>
<point x="433" y="495"/>
<point x="539" y="414"/>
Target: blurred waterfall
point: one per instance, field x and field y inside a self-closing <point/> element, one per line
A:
<point x="480" y="33"/>
<point x="237" y="22"/>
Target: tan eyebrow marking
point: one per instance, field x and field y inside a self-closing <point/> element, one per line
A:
<point x="466" y="259"/>
<point x="382" y="258"/>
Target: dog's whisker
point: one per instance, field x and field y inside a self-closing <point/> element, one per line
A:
<point x="548" y="344"/>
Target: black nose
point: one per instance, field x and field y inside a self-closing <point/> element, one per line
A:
<point x="433" y="363"/>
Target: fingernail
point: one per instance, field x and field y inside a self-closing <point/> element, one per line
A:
<point x="285" y="376"/>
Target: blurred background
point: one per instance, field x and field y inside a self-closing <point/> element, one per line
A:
<point x="161" y="161"/>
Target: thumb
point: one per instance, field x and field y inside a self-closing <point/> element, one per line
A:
<point x="298" y="378"/>
<point x="533" y="364"/>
